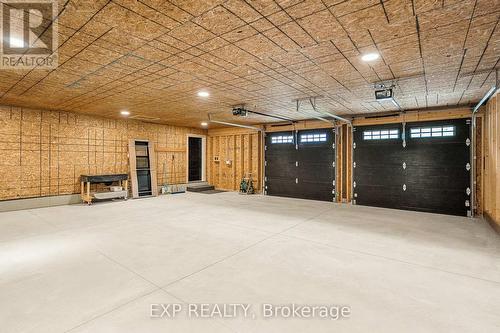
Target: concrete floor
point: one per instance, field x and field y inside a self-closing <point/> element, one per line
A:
<point x="99" y="268"/>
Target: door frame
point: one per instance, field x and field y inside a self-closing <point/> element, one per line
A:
<point x="203" y="156"/>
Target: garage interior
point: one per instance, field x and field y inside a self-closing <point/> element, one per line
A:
<point x="340" y="153"/>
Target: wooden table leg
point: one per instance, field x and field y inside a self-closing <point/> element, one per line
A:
<point x="125" y="187"/>
<point x="82" y="191"/>
<point x="89" y="199"/>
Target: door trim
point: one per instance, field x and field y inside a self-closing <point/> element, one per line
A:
<point x="203" y="156"/>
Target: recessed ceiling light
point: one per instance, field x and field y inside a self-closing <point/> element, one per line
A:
<point x="203" y="93"/>
<point x="370" y="57"/>
<point x="125" y="113"/>
<point x="204" y="124"/>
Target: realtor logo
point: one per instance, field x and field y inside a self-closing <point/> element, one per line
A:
<point x="29" y="34"/>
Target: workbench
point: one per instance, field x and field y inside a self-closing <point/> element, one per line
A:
<point x="87" y="180"/>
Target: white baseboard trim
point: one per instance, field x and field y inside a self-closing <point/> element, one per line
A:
<point x="40" y="202"/>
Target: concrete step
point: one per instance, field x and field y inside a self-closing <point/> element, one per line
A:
<point x="200" y="187"/>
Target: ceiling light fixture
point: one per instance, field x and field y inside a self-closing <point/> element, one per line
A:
<point x="203" y="94"/>
<point x="204" y="124"/>
<point x="125" y="113"/>
<point x="370" y="57"/>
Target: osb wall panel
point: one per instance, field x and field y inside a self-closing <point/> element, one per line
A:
<point x="491" y="174"/>
<point x="242" y="149"/>
<point x="45" y="152"/>
<point x="156" y="54"/>
<point x="414" y="116"/>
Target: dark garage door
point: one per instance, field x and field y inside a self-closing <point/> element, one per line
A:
<point x="430" y="172"/>
<point x="300" y="164"/>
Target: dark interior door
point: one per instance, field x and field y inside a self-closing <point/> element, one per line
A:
<point x="300" y="164"/>
<point x="195" y="159"/>
<point x="430" y="172"/>
<point x="143" y="169"/>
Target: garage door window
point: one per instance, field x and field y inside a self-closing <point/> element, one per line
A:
<point x="313" y="137"/>
<point x="431" y="132"/>
<point x="282" y="139"/>
<point x="381" y="134"/>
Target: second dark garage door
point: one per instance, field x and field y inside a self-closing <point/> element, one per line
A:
<point x="300" y="164"/>
<point x="423" y="166"/>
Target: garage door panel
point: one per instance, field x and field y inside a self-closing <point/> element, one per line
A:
<point x="449" y="154"/>
<point x="441" y="201"/>
<point x="379" y="196"/>
<point x="321" y="192"/>
<point x="281" y="187"/>
<point x="315" y="158"/>
<point x="371" y="154"/>
<point x="307" y="163"/>
<point x="324" y="170"/>
<point x="379" y="176"/>
<point x="439" y="177"/>
<point x="378" y="172"/>
<point x="428" y="173"/>
<point x="280" y="164"/>
<point x="277" y="170"/>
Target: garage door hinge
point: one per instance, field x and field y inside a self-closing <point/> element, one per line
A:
<point x="296" y="180"/>
<point x="467" y="203"/>
<point x="467" y="142"/>
<point x="333" y="182"/>
<point x="265" y="147"/>
<point x="354" y="184"/>
<point x="265" y="179"/>
<point x="333" y="145"/>
<point x="265" y="163"/>
<point x="296" y="147"/>
<point x="468" y="191"/>
<point x="404" y="165"/>
<point x="404" y="187"/>
<point x="467" y="166"/>
<point x="296" y="163"/>
<point x="333" y="164"/>
<point x="354" y="145"/>
<point x="354" y="164"/>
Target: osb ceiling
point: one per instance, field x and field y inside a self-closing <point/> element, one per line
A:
<point x="151" y="57"/>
